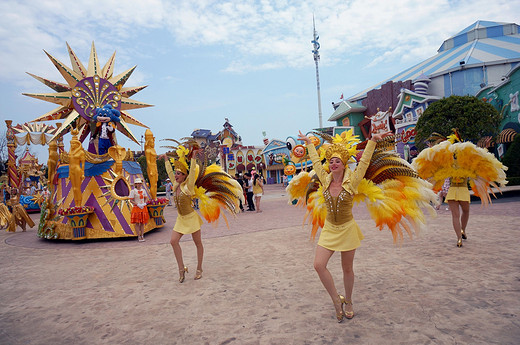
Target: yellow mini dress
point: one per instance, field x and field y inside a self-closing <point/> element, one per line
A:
<point x="188" y="221"/>
<point x="257" y="189"/>
<point x="458" y="190"/>
<point x="340" y="231"/>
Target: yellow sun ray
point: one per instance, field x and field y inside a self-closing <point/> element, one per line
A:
<point x="130" y="91"/>
<point x="132" y="120"/>
<point x="65" y="126"/>
<point x="77" y="66"/>
<point x="68" y="74"/>
<point x="58" y="87"/>
<point x="63" y="98"/>
<point x="120" y="79"/>
<point x="127" y="103"/>
<point x="55" y="114"/>
<point x="93" y="62"/>
<point x="108" y="69"/>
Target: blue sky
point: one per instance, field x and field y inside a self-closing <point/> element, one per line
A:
<point x="248" y="61"/>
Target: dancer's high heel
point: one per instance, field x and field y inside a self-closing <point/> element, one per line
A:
<point x="463" y="233"/>
<point x="348" y="314"/>
<point x="341" y="313"/>
<point x="182" y="274"/>
<point x="198" y="274"/>
<point x="459" y="242"/>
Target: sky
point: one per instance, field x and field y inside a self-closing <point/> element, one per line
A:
<point x="248" y="61"/>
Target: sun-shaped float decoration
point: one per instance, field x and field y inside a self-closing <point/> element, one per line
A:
<point x="91" y="189"/>
<point x="86" y="90"/>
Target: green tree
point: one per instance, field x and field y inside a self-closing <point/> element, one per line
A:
<point x="142" y="162"/>
<point x="161" y="170"/>
<point x="473" y="117"/>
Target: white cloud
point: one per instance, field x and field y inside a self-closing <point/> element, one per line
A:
<point x="263" y="34"/>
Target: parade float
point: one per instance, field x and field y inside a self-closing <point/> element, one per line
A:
<point x="25" y="172"/>
<point x="90" y="187"/>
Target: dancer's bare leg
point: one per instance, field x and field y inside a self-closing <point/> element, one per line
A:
<point x="455" y="217"/>
<point x="197" y="239"/>
<point x="347" y="264"/>
<point x="464" y="205"/>
<point x="321" y="260"/>
<point x="176" y="237"/>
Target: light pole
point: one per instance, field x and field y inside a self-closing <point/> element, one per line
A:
<point x="316" y="55"/>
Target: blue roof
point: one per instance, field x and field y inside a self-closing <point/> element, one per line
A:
<point x="481" y="43"/>
<point x="201" y="133"/>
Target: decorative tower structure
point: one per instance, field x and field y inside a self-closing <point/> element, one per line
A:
<point x="316" y="54"/>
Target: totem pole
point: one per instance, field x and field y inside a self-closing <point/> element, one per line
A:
<point x="151" y="162"/>
<point x="76" y="167"/>
<point x="14" y="179"/>
<point x="51" y="164"/>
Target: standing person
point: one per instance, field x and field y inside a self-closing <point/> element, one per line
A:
<point x="241" y="183"/>
<point x="462" y="162"/>
<point x="340" y="232"/>
<point x="32" y="190"/>
<point x="458" y="199"/>
<point x="248" y="186"/>
<point x="188" y="221"/>
<point x="169" y="190"/>
<point x="139" y="215"/>
<point x="46" y="193"/>
<point x="258" y="190"/>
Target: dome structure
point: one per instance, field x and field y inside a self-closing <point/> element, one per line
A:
<point x="481" y="54"/>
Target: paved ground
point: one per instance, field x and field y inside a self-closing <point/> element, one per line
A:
<point x="259" y="286"/>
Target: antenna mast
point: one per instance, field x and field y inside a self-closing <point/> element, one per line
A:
<point x="316" y="54"/>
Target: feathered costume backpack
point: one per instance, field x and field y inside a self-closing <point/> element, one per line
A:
<point x="452" y="157"/>
<point x="394" y="193"/>
<point x="214" y="188"/>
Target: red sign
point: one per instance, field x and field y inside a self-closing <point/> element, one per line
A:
<point x="408" y="135"/>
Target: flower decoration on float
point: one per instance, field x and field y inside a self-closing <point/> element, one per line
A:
<point x="75" y="210"/>
<point x="158" y="201"/>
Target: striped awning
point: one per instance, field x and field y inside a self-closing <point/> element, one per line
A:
<point x="486" y="142"/>
<point x="506" y="136"/>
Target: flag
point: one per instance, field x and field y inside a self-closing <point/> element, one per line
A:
<point x="341" y="96"/>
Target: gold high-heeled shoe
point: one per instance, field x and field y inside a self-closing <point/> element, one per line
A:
<point x="348" y="314"/>
<point x="182" y="274"/>
<point x="459" y="242"/>
<point x="198" y="274"/>
<point x="341" y="314"/>
<point x="463" y="233"/>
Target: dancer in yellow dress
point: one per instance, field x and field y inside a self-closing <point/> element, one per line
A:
<point x="465" y="164"/>
<point x="394" y="194"/>
<point x="258" y="191"/>
<point x="340" y="232"/>
<point x="188" y="221"/>
<point x="458" y="200"/>
<point x="214" y="188"/>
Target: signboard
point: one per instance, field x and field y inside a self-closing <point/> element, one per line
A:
<point x="380" y="123"/>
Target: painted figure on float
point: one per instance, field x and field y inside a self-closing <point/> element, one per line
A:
<point x="91" y="188"/>
<point x="103" y="135"/>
